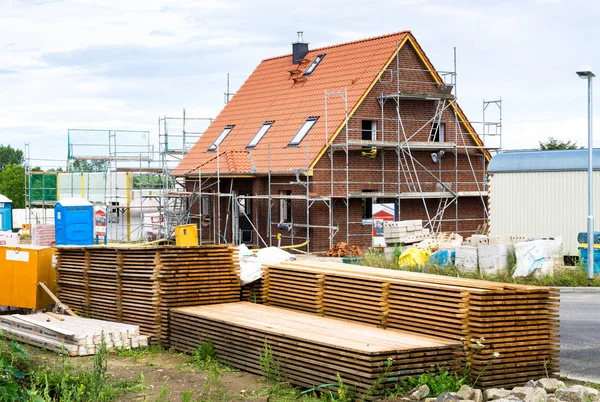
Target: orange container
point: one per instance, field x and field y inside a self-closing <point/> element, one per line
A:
<point x="22" y="267"/>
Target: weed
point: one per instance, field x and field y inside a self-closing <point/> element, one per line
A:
<point x="269" y="365"/>
<point x="205" y="358"/>
<point x="205" y="351"/>
<point x="139" y="353"/>
<point x="164" y="393"/>
<point x="442" y="381"/>
<point x="187" y="396"/>
<point x="213" y="390"/>
<point x="21" y="378"/>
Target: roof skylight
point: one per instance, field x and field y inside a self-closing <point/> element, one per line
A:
<point x="220" y="138"/>
<point x="261" y="132"/>
<point x="314" y="64"/>
<point x="308" y="124"/>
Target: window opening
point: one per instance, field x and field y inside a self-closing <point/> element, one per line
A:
<point x="261" y="132"/>
<point x="314" y="64"/>
<point x="438" y="132"/>
<point x="220" y="138"/>
<point x="285" y="206"/>
<point x="308" y="124"/>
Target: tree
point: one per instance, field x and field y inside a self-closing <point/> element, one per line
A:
<point x="82" y="165"/>
<point x="12" y="184"/>
<point x="10" y="155"/>
<point x="552" y="144"/>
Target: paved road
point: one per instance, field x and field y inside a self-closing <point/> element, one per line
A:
<point x="580" y="334"/>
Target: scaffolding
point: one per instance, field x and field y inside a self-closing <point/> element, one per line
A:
<point x="402" y="177"/>
<point x="177" y="135"/>
<point x="121" y="169"/>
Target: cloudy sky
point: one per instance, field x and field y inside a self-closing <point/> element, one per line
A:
<point x="113" y="64"/>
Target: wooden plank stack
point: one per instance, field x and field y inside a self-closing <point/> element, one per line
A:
<point x="519" y="322"/>
<point x="310" y="350"/>
<point x="140" y="284"/>
<point x="74" y="336"/>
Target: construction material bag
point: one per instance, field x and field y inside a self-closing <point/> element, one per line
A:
<point x="273" y="255"/>
<point x="442" y="257"/>
<point x="539" y="256"/>
<point x="413" y="257"/>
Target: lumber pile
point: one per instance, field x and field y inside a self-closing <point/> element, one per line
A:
<point x="519" y="322"/>
<point x="74" y="336"/>
<point x="310" y="350"/>
<point x="343" y="249"/>
<point x="252" y="292"/>
<point x="140" y="284"/>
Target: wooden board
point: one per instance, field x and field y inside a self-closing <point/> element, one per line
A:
<point x="139" y="284"/>
<point x="311" y="350"/>
<point x="519" y="322"/>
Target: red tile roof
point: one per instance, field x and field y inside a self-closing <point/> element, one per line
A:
<point x="228" y="161"/>
<point x="271" y="94"/>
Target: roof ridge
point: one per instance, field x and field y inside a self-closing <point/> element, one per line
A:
<point x="344" y="44"/>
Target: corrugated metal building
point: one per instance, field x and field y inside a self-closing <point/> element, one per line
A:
<point x="542" y="194"/>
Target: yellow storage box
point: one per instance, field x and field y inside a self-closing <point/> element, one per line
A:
<point x="22" y="267"/>
<point x="186" y="235"/>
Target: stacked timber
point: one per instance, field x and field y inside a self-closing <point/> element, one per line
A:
<point x="517" y="325"/>
<point x="74" y="336"/>
<point x="310" y="350"/>
<point x="140" y="284"/>
<point x="252" y="292"/>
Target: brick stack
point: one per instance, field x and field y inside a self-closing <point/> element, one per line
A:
<point x="43" y="235"/>
<point x="405" y="232"/>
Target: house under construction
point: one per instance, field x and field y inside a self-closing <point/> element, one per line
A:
<point x="313" y="139"/>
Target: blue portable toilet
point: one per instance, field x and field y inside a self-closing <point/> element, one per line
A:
<point x="74" y="221"/>
<point x="6" y="221"/>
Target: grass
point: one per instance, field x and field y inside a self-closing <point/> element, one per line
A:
<point x="24" y="379"/>
<point x="139" y="353"/>
<point x="567" y="277"/>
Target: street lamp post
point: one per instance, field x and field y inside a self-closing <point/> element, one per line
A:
<point x="588" y="75"/>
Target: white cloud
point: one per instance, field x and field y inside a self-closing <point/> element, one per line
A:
<point x="120" y="64"/>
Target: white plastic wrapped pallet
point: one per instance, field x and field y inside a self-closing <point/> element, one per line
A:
<point x="466" y="258"/>
<point x="539" y="256"/>
<point x="493" y="259"/>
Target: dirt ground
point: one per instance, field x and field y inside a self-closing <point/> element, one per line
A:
<point x="170" y="374"/>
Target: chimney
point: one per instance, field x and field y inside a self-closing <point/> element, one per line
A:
<point x="299" y="49"/>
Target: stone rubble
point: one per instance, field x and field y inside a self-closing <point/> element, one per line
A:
<point x="542" y="390"/>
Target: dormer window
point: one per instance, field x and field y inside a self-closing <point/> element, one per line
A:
<point x="314" y="64"/>
<point x="261" y="132"/>
<point x="308" y="124"/>
<point x="220" y="138"/>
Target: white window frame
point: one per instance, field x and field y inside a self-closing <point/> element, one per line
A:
<point x="220" y="138"/>
<point x="441" y="128"/>
<point x="373" y="130"/>
<point x="260" y="133"/>
<point x="284" y="204"/>
<point x="306" y="127"/>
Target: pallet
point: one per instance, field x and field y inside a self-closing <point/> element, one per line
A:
<point x="310" y="350"/>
